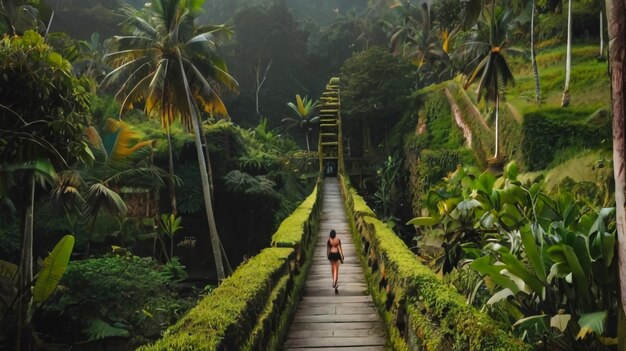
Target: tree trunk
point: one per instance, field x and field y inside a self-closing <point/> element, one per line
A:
<point x="601" y="34"/>
<point x="93" y="226"/>
<point x="568" y="59"/>
<point x="171" y="171"/>
<point x="307" y="141"/>
<point x="496" y="154"/>
<point x="616" y="14"/>
<point x="207" y="157"/>
<point x="24" y="332"/>
<point x="367" y="139"/>
<point x="206" y="191"/>
<point x="533" y="55"/>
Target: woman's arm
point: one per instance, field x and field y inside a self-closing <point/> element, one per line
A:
<point x="328" y="248"/>
<point x="341" y="251"/>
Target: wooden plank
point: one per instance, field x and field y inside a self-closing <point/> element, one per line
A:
<point x="335" y="326"/>
<point x="325" y="320"/>
<point x="336" y="318"/>
<point x="333" y="342"/>
<point x="356" y="348"/>
<point x="301" y="334"/>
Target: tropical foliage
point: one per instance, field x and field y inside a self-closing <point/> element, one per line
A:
<point x="100" y="101"/>
<point x="547" y="259"/>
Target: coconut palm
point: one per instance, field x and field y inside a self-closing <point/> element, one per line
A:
<point x="568" y="57"/>
<point x="170" y="63"/>
<point x="18" y="16"/>
<point x="616" y="20"/>
<point x="533" y="53"/>
<point x="304" y="109"/>
<point x="417" y="38"/>
<point x="490" y="41"/>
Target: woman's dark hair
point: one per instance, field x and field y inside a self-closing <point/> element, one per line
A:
<point x="333" y="234"/>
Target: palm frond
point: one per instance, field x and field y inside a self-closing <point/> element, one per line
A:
<point x="118" y="138"/>
<point x="100" y="196"/>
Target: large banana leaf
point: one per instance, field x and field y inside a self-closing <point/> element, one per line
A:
<point x="53" y="268"/>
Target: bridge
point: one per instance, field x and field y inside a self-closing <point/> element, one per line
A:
<point x="282" y="298"/>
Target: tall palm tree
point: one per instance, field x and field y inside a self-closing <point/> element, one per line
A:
<point x="533" y="53"/>
<point x="304" y="109"/>
<point x="568" y="57"/>
<point x="616" y="21"/>
<point x="490" y="41"/>
<point x="417" y="38"/>
<point x="170" y="63"/>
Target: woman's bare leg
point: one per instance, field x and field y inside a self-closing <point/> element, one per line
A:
<point x="335" y="270"/>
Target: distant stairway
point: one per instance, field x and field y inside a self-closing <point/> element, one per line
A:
<point x="330" y="143"/>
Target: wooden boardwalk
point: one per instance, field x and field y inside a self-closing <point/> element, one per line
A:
<point x="348" y="320"/>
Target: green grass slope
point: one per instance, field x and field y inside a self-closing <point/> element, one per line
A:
<point x="542" y="136"/>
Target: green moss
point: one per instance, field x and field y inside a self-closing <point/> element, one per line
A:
<point x="280" y="330"/>
<point x="252" y="308"/>
<point x="270" y="316"/>
<point x="438" y="317"/>
<point x="226" y="317"/>
<point x="290" y="231"/>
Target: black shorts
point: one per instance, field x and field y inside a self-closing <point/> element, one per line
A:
<point x="334" y="256"/>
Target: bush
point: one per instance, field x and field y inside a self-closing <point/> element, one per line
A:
<point x="130" y="294"/>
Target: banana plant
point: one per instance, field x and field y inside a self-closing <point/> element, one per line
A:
<point x="53" y="268"/>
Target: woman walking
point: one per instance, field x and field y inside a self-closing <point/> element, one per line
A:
<point x="334" y="252"/>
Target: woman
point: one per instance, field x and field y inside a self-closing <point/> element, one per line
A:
<point x="334" y="252"/>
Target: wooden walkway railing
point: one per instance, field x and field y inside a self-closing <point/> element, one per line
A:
<point x="325" y="320"/>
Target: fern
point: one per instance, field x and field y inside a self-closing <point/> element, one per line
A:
<point x="97" y="329"/>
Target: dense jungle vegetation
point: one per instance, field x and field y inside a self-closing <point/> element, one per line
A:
<point x="148" y="149"/>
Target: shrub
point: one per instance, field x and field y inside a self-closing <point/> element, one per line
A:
<point x="91" y="293"/>
<point x="413" y="299"/>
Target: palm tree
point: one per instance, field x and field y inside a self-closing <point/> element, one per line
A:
<point x="120" y="158"/>
<point x="533" y="52"/>
<point x="568" y="57"/>
<point x="419" y="40"/>
<point x="18" y="16"/>
<point x="170" y="63"/>
<point x="304" y="109"/>
<point x="616" y="20"/>
<point x="491" y="41"/>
